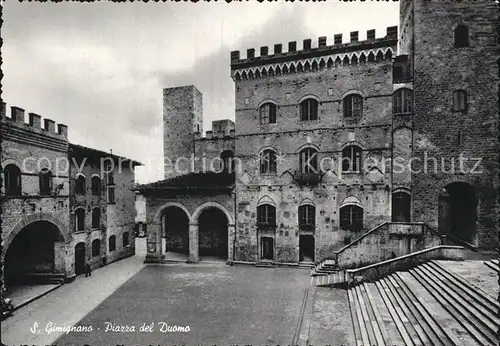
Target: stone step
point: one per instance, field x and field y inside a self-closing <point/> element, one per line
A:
<point x="492" y="265"/>
<point x="492" y="300"/>
<point x="372" y="306"/>
<point x="408" y="321"/>
<point x="367" y="325"/>
<point x="421" y="327"/>
<point x="455" y="308"/>
<point x="374" y="319"/>
<point x="359" y="319"/>
<point x="439" y="318"/>
<point x="478" y="311"/>
<point x="407" y="340"/>
<point x="466" y="291"/>
<point x="432" y="329"/>
<point x="355" y="324"/>
<point x="264" y="265"/>
<point x="387" y="325"/>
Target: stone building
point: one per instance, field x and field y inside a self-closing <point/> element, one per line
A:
<point x="331" y="141"/>
<point x="60" y="207"/>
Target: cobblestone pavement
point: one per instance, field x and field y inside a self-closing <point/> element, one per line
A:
<point x="221" y="305"/>
<point x="69" y="303"/>
<point x="331" y="320"/>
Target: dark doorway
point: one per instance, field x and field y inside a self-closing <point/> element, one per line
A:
<point x="32" y="252"/>
<point x="267" y="248"/>
<point x="306" y="248"/>
<point x="458" y="211"/>
<point x="212" y="225"/>
<point x="176" y="230"/>
<point x="401" y="207"/>
<point x="80" y="258"/>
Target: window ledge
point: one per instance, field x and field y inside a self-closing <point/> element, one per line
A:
<point x="406" y="113"/>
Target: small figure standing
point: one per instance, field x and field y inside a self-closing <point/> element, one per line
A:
<point x="88" y="269"/>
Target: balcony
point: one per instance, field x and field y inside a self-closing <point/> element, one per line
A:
<point x="308" y="179"/>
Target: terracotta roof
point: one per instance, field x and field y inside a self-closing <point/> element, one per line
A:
<point x="192" y="181"/>
<point x="75" y="148"/>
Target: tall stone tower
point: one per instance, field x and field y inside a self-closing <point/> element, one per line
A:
<point x="452" y="53"/>
<point x="182" y="117"/>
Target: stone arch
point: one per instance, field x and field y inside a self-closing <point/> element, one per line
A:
<point x="7" y="162"/>
<point x="160" y="210"/>
<point x="352" y="91"/>
<point x="266" y="200"/>
<point x="268" y="100"/>
<point x="194" y="217"/>
<point x="307" y="201"/>
<point x="352" y="143"/>
<point x="351" y="200"/>
<point x="308" y="145"/>
<point x="29" y="219"/>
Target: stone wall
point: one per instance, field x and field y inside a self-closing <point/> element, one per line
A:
<point x="440" y="69"/>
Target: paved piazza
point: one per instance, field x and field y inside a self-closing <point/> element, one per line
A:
<point x="222" y="305"/>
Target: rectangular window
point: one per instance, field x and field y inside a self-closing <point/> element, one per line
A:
<point x="460" y="101"/>
<point x="307" y="215"/>
<point x="111" y="195"/>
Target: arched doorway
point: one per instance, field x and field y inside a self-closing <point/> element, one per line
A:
<point x="32" y="252"/>
<point x="458" y="211"/>
<point x="80" y="258"/>
<point x="175" y="223"/>
<point x="213" y="239"/>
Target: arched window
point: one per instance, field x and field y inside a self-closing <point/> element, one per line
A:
<point x="126" y="240"/>
<point x="45" y="182"/>
<point x="79" y="220"/>
<point x="96" y="218"/>
<point x="268" y="162"/>
<point x="80" y="185"/>
<point x="460" y="101"/>
<point x="351" y="159"/>
<point x="266" y="216"/>
<point x="96" y="186"/>
<point x="112" y="243"/>
<point x="461" y="36"/>
<point x="353" y="107"/>
<point x="227" y="160"/>
<point x="351" y="217"/>
<point x="308" y="160"/>
<point x="307" y="215"/>
<point x="267" y="113"/>
<point x="12" y="180"/>
<point x="309" y="110"/>
<point x="96" y="248"/>
<point x="401" y="207"/>
<point x="402" y="101"/>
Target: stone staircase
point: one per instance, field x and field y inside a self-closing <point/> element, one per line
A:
<point x="493" y="264"/>
<point x="326" y="267"/>
<point x="40" y="279"/>
<point x="427" y="305"/>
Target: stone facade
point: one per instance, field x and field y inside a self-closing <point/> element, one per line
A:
<point x="385" y="101"/>
<point x="50" y="204"/>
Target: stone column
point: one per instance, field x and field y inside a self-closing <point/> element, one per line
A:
<point x="60" y="257"/>
<point x="193" y="243"/>
<point x="153" y="243"/>
<point x="231" y="237"/>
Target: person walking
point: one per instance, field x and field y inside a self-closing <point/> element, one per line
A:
<point x="88" y="269"/>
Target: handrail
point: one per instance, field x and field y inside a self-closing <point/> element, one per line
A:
<point x="355" y="241"/>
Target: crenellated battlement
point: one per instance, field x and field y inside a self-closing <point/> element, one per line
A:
<point x="339" y="54"/>
<point x="215" y="135"/>
<point x="18" y="118"/>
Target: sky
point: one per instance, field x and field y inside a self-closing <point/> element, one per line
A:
<point x="100" y="67"/>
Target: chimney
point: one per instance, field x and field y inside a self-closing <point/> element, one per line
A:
<point x="392" y="32"/>
<point x="62" y="130"/>
<point x="322" y="41"/>
<point x="35" y="120"/>
<point x="231" y="132"/>
<point x="354" y="36"/>
<point x="278" y="48"/>
<point x="264" y="51"/>
<point x="250" y="53"/>
<point x="337" y="39"/>
<point x="292" y="46"/>
<point x="307" y="44"/>
<point x="4" y="112"/>
<point x="208" y="134"/>
<point x="50" y="125"/>
<point x="235" y="55"/>
<point x="370" y="35"/>
<point x="17" y="114"/>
